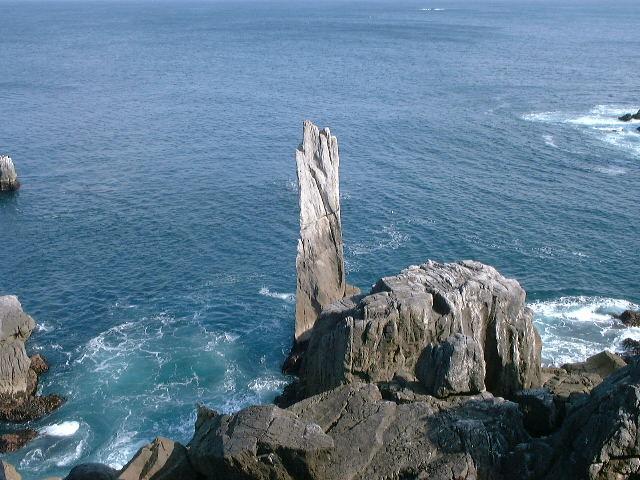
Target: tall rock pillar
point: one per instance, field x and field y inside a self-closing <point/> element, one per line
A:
<point x="320" y="260"/>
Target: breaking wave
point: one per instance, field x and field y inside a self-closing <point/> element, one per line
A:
<point x="573" y="328"/>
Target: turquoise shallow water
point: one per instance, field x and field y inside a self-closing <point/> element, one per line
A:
<point x="154" y="237"/>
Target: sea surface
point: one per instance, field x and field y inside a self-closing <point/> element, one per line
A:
<point x="154" y="238"/>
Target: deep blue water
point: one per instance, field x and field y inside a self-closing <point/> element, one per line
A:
<point x="154" y="237"/>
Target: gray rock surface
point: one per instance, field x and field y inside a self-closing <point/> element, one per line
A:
<point x="18" y="377"/>
<point x="8" y="176"/>
<point x="599" y="439"/>
<point x="602" y="364"/>
<point x="15" y="328"/>
<point x="352" y="433"/>
<point x="162" y="459"/>
<point x="259" y="442"/>
<point x="454" y="366"/>
<point x="320" y="259"/>
<point x="372" y="337"/>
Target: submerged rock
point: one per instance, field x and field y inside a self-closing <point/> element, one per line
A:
<point x="320" y="259"/>
<point x="8" y="176"/>
<point x="398" y="326"/>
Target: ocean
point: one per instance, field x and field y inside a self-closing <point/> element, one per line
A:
<point x="154" y="237"/>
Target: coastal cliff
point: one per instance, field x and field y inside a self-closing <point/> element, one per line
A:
<point x="434" y="373"/>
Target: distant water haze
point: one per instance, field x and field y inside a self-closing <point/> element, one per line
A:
<point x="154" y="237"/>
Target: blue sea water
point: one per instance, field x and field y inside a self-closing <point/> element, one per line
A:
<point x="154" y="237"/>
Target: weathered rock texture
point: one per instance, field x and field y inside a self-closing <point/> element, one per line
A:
<point x="19" y="373"/>
<point x="466" y="314"/>
<point x="320" y="260"/>
<point x="352" y="433"/>
<point x="599" y="439"/>
<point x="15" y="328"/>
<point x="8" y="177"/>
<point x="163" y="459"/>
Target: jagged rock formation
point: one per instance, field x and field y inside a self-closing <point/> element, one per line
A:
<point x="406" y="323"/>
<point x="599" y="439"/>
<point x="320" y="260"/>
<point x="19" y="373"/>
<point x="630" y="318"/>
<point x="627" y="117"/>
<point x="15" y="328"/>
<point x="352" y="433"/>
<point x="8" y="177"/>
<point x="163" y="459"/>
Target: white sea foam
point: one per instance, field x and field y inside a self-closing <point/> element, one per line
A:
<point x="266" y="384"/>
<point x="573" y="328"/>
<point x="550" y="141"/>
<point x="389" y="238"/>
<point x="64" y="429"/>
<point x="44" y="327"/>
<point x="600" y="122"/>
<point x="432" y="9"/>
<point x="287" y="297"/>
<point x="612" y="170"/>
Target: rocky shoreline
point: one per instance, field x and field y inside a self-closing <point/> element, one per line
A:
<point x="434" y="373"/>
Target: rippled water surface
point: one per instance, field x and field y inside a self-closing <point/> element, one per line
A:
<point x="154" y="238"/>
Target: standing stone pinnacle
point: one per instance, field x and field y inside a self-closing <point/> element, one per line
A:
<point x="320" y="260"/>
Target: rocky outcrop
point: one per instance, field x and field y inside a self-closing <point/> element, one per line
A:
<point x="320" y="260"/>
<point x="352" y="433"/>
<point x="466" y="314"/>
<point x="13" y="441"/>
<point x="8" y="176"/>
<point x="15" y="328"/>
<point x="19" y="373"/>
<point x="602" y="364"/>
<point x="163" y="459"/>
<point x="630" y="318"/>
<point x="599" y="438"/>
<point x="627" y="117"/>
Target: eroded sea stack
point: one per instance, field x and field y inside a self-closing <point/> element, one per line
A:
<point x="320" y="260"/>
<point x="8" y="177"/>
